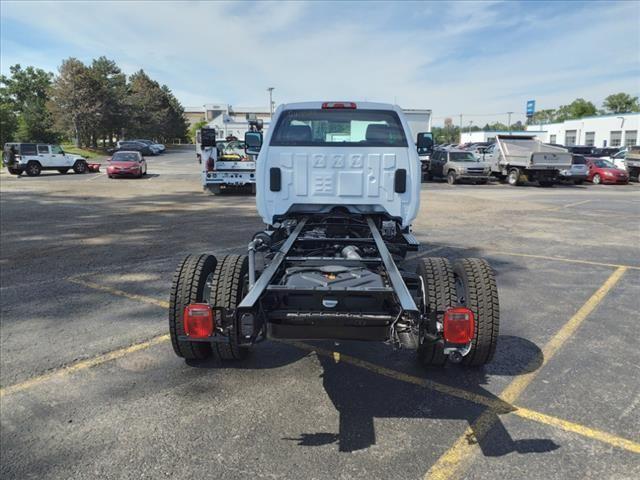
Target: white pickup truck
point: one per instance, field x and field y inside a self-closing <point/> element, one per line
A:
<point x="33" y="158"/>
<point x="338" y="187"/>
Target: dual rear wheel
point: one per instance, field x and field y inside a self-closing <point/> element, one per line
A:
<point x="205" y="279"/>
<point x="469" y="282"/>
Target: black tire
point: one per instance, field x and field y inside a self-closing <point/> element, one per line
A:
<point x="63" y="171"/>
<point x="14" y="171"/>
<point x="451" y="178"/>
<point x="189" y="284"/>
<point x="597" y="179"/>
<point x="476" y="289"/>
<point x="80" y="166"/>
<point x="513" y="178"/>
<point x="214" y="189"/>
<point x="439" y="294"/>
<point x="253" y="189"/>
<point x="227" y="290"/>
<point x="33" y="169"/>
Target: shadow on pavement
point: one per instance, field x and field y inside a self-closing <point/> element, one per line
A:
<point x="360" y="396"/>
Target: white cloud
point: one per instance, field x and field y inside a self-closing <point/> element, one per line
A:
<point x="439" y="56"/>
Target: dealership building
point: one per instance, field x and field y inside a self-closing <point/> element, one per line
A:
<point x="615" y="130"/>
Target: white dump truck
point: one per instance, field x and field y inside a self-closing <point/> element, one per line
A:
<point x="338" y="211"/>
<point x="520" y="158"/>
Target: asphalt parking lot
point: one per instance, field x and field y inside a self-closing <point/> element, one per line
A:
<point x="90" y="387"/>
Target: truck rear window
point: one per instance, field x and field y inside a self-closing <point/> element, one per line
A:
<point x="341" y="128"/>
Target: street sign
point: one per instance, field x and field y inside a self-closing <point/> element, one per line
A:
<point x="531" y="108"/>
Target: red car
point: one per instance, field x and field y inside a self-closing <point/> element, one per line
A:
<point x="127" y="163"/>
<point x="603" y="171"/>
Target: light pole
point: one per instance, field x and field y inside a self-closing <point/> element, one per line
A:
<point x="509" y="113"/>
<point x="270" y="90"/>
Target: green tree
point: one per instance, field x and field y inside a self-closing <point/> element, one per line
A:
<point x="110" y="97"/>
<point x="8" y="122"/>
<point x="148" y="106"/>
<point x="25" y="94"/>
<point x="579" y="108"/>
<point x="74" y="103"/>
<point x="175" y="125"/>
<point x="621" y="103"/>
<point x="542" y="116"/>
<point x="195" y="127"/>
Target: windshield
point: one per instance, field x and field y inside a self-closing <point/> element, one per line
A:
<point x="578" y="160"/>
<point x="462" y="157"/>
<point x="125" y="157"/>
<point x="344" y="128"/>
<point x="604" y="164"/>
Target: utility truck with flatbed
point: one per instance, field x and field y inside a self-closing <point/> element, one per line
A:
<point x="518" y="158"/>
<point x="330" y="262"/>
<point x="225" y="163"/>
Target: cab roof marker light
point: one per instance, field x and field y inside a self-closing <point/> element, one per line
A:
<point x="339" y="105"/>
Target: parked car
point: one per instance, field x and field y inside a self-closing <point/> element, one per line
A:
<point x="606" y="152"/>
<point x="603" y="171"/>
<point x="125" y="163"/>
<point x="578" y="171"/>
<point x="580" y="150"/>
<point x="32" y="158"/>
<point x="455" y="165"/>
<point x="131" y="146"/>
<point x="158" y="147"/>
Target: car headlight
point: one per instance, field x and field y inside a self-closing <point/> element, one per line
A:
<point x="608" y="174"/>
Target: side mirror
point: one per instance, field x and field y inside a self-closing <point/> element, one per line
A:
<point x="425" y="142"/>
<point x="252" y="142"/>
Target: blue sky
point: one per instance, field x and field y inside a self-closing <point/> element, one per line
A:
<point x="477" y="58"/>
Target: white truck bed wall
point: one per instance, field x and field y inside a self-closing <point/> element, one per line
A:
<point x="531" y="152"/>
<point x="316" y="179"/>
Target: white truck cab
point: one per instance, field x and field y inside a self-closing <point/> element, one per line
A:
<point x="319" y="155"/>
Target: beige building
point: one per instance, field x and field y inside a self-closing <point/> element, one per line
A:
<point x="194" y="115"/>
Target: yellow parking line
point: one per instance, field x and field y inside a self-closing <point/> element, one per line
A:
<point x="582" y="430"/>
<point x="121" y="293"/>
<point x="545" y="257"/>
<point x="455" y="460"/>
<point x="568" y="205"/>
<point x="83" y="365"/>
<point x="496" y="405"/>
<point x="483" y="424"/>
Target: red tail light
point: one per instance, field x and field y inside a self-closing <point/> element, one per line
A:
<point x="459" y="325"/>
<point x="338" y="105"/>
<point x="210" y="165"/>
<point x="198" y="320"/>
